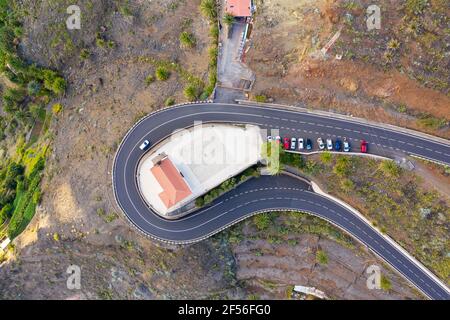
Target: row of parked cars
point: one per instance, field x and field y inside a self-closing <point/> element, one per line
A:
<point x="307" y="144"/>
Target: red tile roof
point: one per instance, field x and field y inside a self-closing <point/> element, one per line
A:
<point x="174" y="187"/>
<point x="238" y="8"/>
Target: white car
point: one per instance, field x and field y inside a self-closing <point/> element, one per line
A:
<point x="144" y="145"/>
<point x="320" y="143"/>
<point x="301" y="144"/>
<point x="329" y="144"/>
<point x="346" y="145"/>
<point x="293" y="143"/>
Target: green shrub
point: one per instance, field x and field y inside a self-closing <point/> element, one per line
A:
<point x="33" y="87"/>
<point x="214" y="31"/>
<point x="199" y="202"/>
<point x="431" y="122"/>
<point x="125" y="11"/>
<point x="187" y="39"/>
<point x="149" y="80"/>
<point x="402" y="108"/>
<point x="321" y="257"/>
<point x="162" y="73"/>
<point x="415" y="7"/>
<point x="326" y="157"/>
<point x="228" y="19"/>
<point x="37" y="196"/>
<point x="390" y="168"/>
<point x="100" y="42"/>
<point x="111" y="44"/>
<point x="37" y="112"/>
<point x="342" y="167"/>
<point x="263" y="221"/>
<point x="192" y="92"/>
<point x="84" y="54"/>
<point x="385" y="283"/>
<point x="169" y="101"/>
<point x="260" y="98"/>
<point x="212" y="53"/>
<point x="57" y="108"/>
<point x="208" y="9"/>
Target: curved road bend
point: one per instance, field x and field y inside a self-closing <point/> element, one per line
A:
<point x="266" y="193"/>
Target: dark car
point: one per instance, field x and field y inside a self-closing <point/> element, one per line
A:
<point x="308" y="144"/>
<point x="338" y="145"/>
<point x="364" y="145"/>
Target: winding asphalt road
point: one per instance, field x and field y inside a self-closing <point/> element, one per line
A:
<point x="269" y="193"/>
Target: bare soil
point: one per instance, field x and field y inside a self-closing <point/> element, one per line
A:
<point x="78" y="222"/>
<point x="288" y="35"/>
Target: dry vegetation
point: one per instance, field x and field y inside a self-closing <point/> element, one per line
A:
<point x="398" y="74"/>
<point x="416" y="215"/>
<point x="130" y="58"/>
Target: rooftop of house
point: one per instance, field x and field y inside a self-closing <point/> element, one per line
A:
<point x="238" y="8"/>
<point x="171" y="181"/>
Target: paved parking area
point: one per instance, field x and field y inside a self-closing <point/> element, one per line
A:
<point x="232" y="73"/>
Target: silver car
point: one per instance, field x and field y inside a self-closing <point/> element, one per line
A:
<point x="320" y="143"/>
<point x="329" y="144"/>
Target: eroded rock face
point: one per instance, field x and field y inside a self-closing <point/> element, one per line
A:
<point x="271" y="269"/>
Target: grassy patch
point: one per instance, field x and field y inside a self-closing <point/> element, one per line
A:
<point x="187" y="40"/>
<point x="162" y="73"/>
<point x="321" y="257"/>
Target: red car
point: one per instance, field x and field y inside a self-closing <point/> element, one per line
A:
<point x="286" y="143"/>
<point x="364" y="146"/>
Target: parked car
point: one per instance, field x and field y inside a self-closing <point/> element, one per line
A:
<point x="337" y="145"/>
<point x="329" y="144"/>
<point x="301" y="144"/>
<point x="308" y="144"/>
<point x="293" y="143"/>
<point x="346" y="145"/>
<point x="364" y="146"/>
<point x="286" y="143"/>
<point x="320" y="143"/>
<point x="144" y="145"/>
